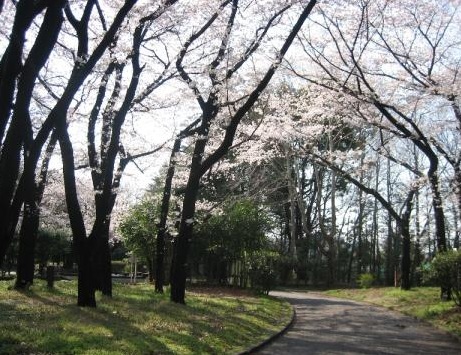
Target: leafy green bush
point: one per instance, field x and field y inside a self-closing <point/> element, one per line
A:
<point x="262" y="271"/>
<point x="365" y="280"/>
<point x="445" y="271"/>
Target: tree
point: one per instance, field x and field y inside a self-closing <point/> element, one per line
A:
<point x="211" y="107"/>
<point x="165" y="206"/>
<point x="229" y="238"/>
<point x="20" y="134"/>
<point x="357" y="43"/>
<point x="139" y="229"/>
<point x="30" y="223"/>
<point x="93" y="250"/>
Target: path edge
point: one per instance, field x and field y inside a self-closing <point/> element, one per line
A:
<point x="274" y="336"/>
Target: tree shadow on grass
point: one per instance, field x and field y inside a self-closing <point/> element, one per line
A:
<point x="133" y="322"/>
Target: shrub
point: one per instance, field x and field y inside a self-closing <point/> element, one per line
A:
<point x="445" y="271"/>
<point x="365" y="280"/>
<point x="262" y="271"/>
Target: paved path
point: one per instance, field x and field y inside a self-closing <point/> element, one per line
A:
<point x="336" y="326"/>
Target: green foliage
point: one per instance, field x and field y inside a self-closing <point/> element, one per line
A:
<point x="52" y="246"/>
<point x="285" y="268"/>
<point x="262" y="272"/>
<point x="365" y="280"/>
<point x="445" y="271"/>
<point x="240" y="228"/>
<point x="139" y="228"/>
<point x="235" y="235"/>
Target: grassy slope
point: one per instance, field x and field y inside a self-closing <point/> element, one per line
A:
<point x="134" y="321"/>
<point x="422" y="302"/>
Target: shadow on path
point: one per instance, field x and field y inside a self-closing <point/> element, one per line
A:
<point x="336" y="326"/>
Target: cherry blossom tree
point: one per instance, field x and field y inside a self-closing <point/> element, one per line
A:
<point x="392" y="62"/>
<point x="222" y="66"/>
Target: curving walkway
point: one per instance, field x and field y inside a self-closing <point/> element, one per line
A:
<point x="327" y="325"/>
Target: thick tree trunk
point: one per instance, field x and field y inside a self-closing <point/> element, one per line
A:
<point x="20" y="131"/>
<point x="182" y="241"/>
<point x="27" y="240"/>
<point x="86" y="290"/>
<point x="30" y="221"/>
<point x="10" y="65"/>
<point x="101" y="262"/>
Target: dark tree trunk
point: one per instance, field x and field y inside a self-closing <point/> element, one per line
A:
<point x="160" y="261"/>
<point x="351" y="259"/>
<point x="27" y="240"/>
<point x="406" y="243"/>
<point x="390" y="240"/>
<point x="151" y="269"/>
<point x="84" y="246"/>
<point x="20" y="132"/>
<point x="86" y="290"/>
<point x="405" y="283"/>
<point x="30" y="221"/>
<point x="101" y="260"/>
<point x="182" y="241"/>
<point x="10" y="64"/>
<point x="160" y="250"/>
<point x="437" y="206"/>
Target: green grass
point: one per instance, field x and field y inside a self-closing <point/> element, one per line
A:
<point x="134" y="321"/>
<point x="421" y="302"/>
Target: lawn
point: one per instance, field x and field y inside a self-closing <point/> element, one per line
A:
<point x="135" y="321"/>
<point x="421" y="302"/>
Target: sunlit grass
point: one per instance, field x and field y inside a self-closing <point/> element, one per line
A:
<point x="421" y="302"/>
<point x="134" y="321"/>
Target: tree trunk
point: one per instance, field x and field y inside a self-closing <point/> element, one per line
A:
<point x="27" y="240"/>
<point x="437" y="205"/>
<point x="20" y="131"/>
<point x="160" y="251"/>
<point x="332" y="251"/>
<point x="390" y="233"/>
<point x="292" y="195"/>
<point x="10" y="65"/>
<point x="182" y="241"/>
<point x="406" y="243"/>
<point x="86" y="290"/>
<point x="101" y="262"/>
<point x="359" y="232"/>
<point x="30" y="221"/>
